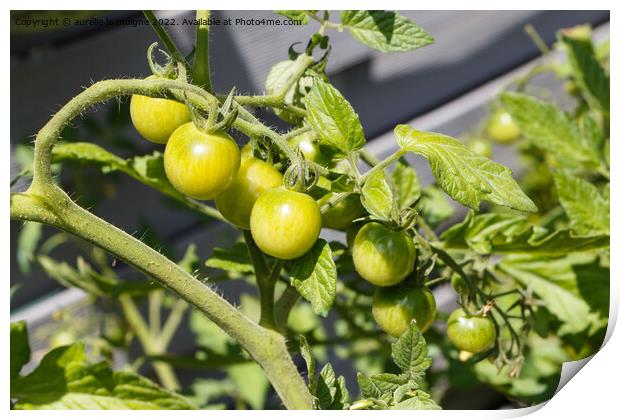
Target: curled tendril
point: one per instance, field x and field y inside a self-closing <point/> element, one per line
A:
<point x="168" y="70"/>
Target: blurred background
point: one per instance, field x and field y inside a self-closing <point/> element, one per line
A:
<point x="444" y="87"/>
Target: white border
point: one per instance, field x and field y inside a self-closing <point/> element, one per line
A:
<point x="592" y="393"/>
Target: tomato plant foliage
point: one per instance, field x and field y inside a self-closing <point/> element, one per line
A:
<point x="529" y="257"/>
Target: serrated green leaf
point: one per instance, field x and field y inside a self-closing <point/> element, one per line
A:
<point x="235" y="259"/>
<point x="27" y="242"/>
<point x="387" y="383"/>
<point x="585" y="206"/>
<point x="306" y="353"/>
<point x="588" y="73"/>
<point x="300" y="15"/>
<point x="410" y="353"/>
<point x="65" y="380"/>
<point x="314" y="276"/>
<point x="466" y="176"/>
<point x="367" y="386"/>
<point x="419" y="400"/>
<point x="505" y="233"/>
<point x="341" y="399"/>
<point x="326" y="387"/>
<point x="553" y="280"/>
<point x="87" y="153"/>
<point x="332" y="117"/>
<point x="20" y="348"/>
<point x="406" y="185"/>
<point x="549" y="128"/>
<point x="385" y="31"/>
<point x="377" y="196"/>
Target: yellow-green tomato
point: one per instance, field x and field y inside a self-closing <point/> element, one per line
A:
<point x="198" y="164"/>
<point x="470" y="333"/>
<point x="308" y="145"/>
<point x="254" y="177"/>
<point x="284" y="223"/>
<point x="157" y="118"/>
<point x="394" y="308"/>
<point x="340" y="215"/>
<point x="502" y="128"/>
<point x="382" y="256"/>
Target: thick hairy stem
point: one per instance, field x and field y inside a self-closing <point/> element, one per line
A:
<point x="49" y="204"/>
<point x="46" y="203"/>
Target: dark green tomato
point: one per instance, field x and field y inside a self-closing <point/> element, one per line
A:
<point x="340" y="215"/>
<point x="284" y="223"/>
<point x="157" y="118"/>
<point x="254" y="177"/>
<point x="502" y="128"/>
<point x="394" y="308"/>
<point x="382" y="256"/>
<point x="469" y="332"/>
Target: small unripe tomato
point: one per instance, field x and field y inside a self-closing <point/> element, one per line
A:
<point x="254" y="177"/>
<point x="481" y="147"/>
<point x="284" y="223"/>
<point x="343" y="213"/>
<point x="471" y="333"/>
<point x="157" y="118"/>
<point x="308" y="145"/>
<point x="394" y="308"/>
<point x="502" y="128"/>
<point x="459" y="285"/>
<point x="198" y="164"/>
<point x="382" y="256"/>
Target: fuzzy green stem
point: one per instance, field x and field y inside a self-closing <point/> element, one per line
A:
<point x="202" y="71"/>
<point x="47" y="203"/>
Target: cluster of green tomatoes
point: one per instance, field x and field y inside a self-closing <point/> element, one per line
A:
<point x="285" y="224"/>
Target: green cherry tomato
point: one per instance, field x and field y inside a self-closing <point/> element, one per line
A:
<point x="459" y="285"/>
<point x="308" y="145"/>
<point x="470" y="333"/>
<point x="394" y="308"/>
<point x="502" y="128"/>
<point x="253" y="178"/>
<point x="157" y="118"/>
<point x="198" y="164"/>
<point x="284" y="223"/>
<point x="383" y="256"/>
<point x="343" y="213"/>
